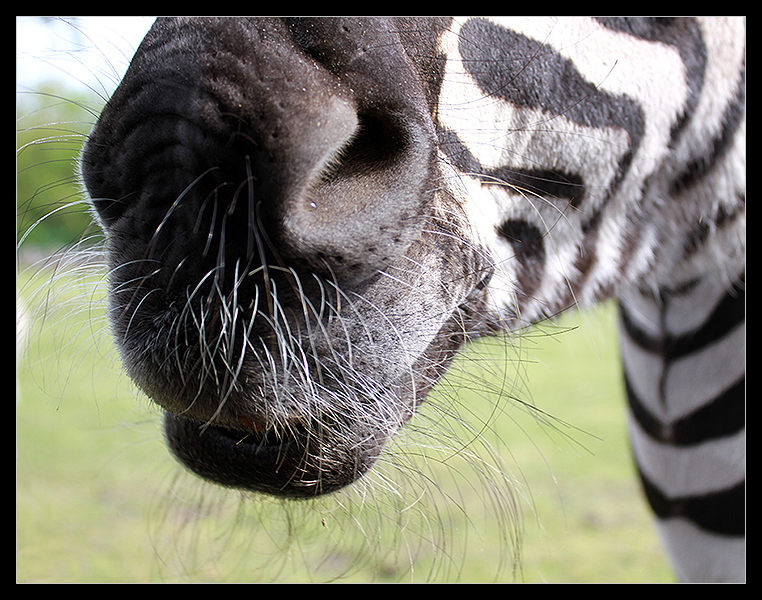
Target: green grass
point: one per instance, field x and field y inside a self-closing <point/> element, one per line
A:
<point x="99" y="499"/>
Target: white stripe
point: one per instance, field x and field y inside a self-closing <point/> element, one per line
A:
<point x="699" y="556"/>
<point x="690" y="311"/>
<point x="703" y="375"/>
<point x="643" y="370"/>
<point x="682" y="471"/>
<point x="691" y="381"/>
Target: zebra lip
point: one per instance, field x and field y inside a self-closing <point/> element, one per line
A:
<point x="265" y="461"/>
<point x="255" y="443"/>
<point x="258" y="441"/>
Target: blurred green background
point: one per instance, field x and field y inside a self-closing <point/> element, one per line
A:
<point x="524" y="440"/>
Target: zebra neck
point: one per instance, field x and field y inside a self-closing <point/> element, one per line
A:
<point x="683" y="353"/>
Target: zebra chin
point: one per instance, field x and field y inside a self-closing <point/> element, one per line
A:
<point x="298" y="462"/>
<point x="302" y="440"/>
<point x="289" y="430"/>
<point x="319" y="440"/>
<point x="333" y="442"/>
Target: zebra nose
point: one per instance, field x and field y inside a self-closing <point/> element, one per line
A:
<point x="363" y="211"/>
<point x="330" y="144"/>
<point x="365" y="206"/>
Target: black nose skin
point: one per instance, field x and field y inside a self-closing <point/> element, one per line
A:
<point x="241" y="159"/>
<point x="326" y="148"/>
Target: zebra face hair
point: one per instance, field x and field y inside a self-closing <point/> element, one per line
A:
<point x="306" y="219"/>
<point x="288" y="277"/>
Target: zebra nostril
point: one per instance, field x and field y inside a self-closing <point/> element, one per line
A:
<point x="368" y="205"/>
<point x="378" y="142"/>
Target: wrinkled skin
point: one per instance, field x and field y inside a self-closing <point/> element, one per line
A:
<point x="288" y="279"/>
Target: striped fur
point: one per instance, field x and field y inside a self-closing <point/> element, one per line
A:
<point x="607" y="157"/>
<point x="684" y="356"/>
<point x="516" y="166"/>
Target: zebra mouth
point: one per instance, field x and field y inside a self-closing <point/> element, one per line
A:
<point x="299" y="461"/>
<point x="314" y="454"/>
<point x="276" y="254"/>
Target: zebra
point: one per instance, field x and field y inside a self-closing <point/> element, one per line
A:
<point x="306" y="219"/>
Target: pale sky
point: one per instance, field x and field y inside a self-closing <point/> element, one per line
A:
<point x="89" y="51"/>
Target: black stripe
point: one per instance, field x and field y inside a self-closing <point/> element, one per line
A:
<point x="731" y="121"/>
<point x="722" y="218"/>
<point x="587" y="256"/>
<point x="727" y="315"/>
<point x="720" y="417"/>
<point x="527" y="73"/>
<point x="460" y="156"/>
<point x="722" y="512"/>
<point x="684" y="34"/>
<point x="551" y="184"/>
<point x="527" y="241"/>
